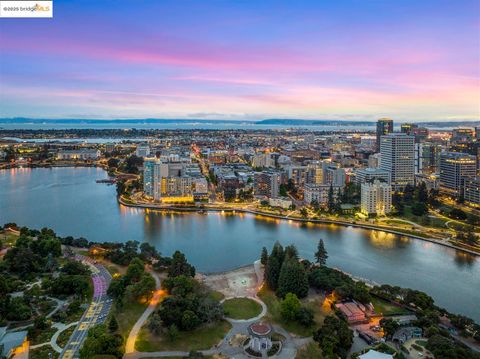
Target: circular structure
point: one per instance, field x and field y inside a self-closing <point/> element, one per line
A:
<point x="260" y="329"/>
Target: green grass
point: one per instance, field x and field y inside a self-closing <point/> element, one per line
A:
<point x="241" y="308"/>
<point x="387" y="309"/>
<point x="62" y="339"/>
<point x="201" y="338"/>
<point x="127" y="316"/>
<point x="309" y="351"/>
<point x="216" y="295"/>
<point x="273" y="315"/>
<point x="421" y="342"/>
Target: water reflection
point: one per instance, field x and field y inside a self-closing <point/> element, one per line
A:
<point x="465" y="259"/>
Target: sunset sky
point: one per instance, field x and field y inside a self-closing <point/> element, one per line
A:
<point x="365" y="59"/>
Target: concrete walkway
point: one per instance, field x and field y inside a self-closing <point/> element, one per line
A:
<point x="132" y="337"/>
<point x="53" y="340"/>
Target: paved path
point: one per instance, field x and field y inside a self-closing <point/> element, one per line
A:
<point x="132" y="337"/>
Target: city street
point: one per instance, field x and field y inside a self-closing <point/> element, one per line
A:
<point x="97" y="311"/>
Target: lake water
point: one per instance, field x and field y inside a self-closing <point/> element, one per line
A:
<point x="69" y="201"/>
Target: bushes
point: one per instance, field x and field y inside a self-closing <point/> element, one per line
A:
<point x="292" y="310"/>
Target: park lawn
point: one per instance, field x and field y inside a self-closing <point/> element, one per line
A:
<point x="215" y="295"/>
<point x="309" y="351"/>
<point x="241" y="308"/>
<point x="273" y="304"/>
<point x="387" y="309"/>
<point x="201" y="338"/>
<point x="127" y="316"/>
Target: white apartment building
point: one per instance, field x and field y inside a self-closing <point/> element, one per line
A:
<point x="319" y="193"/>
<point x="370" y="174"/>
<point x="398" y="158"/>
<point x="376" y="198"/>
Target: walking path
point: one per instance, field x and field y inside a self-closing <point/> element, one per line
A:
<point x="132" y="337"/>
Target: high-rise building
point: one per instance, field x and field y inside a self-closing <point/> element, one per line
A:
<point x="384" y="127"/>
<point x="455" y="169"/>
<point x="472" y="191"/>
<point x="370" y="174"/>
<point x="398" y="158"/>
<point x="148" y="176"/>
<point x="427" y="158"/>
<point x="374" y="160"/>
<point x="408" y="128"/>
<point x="376" y="198"/>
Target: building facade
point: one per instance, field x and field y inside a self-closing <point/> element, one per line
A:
<point x="384" y="127"/>
<point x="455" y="169"/>
<point x="398" y="158"/>
<point x="376" y="198"/>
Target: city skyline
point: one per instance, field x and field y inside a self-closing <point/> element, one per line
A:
<point x="351" y="61"/>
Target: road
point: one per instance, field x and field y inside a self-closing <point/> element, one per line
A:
<point x="97" y="311"/>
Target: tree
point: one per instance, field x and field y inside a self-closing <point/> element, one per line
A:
<point x="264" y="256"/>
<point x="389" y="326"/>
<point x="155" y="324"/>
<point x="304" y="212"/>
<point x="100" y="342"/>
<point x="419" y="208"/>
<point x="331" y="200"/>
<point x="113" y="324"/>
<point x="305" y="317"/>
<point x="172" y="332"/>
<point x="180" y="266"/>
<point x="334" y="337"/>
<point x="321" y="253"/>
<point x="272" y="272"/>
<point x="289" y="307"/>
<point x="135" y="271"/>
<point x="292" y="279"/>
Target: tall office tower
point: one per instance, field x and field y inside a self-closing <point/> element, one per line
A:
<point x="398" y="158"/>
<point x="384" y="127"/>
<point x="376" y="198"/>
<point x="408" y="128"/>
<point x="427" y="158"/>
<point x="455" y="169"/>
<point x="148" y="176"/>
<point x="477" y="133"/>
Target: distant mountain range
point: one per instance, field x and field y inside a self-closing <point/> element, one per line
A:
<point x="269" y="122"/>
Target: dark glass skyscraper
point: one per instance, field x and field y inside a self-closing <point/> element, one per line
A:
<point x="384" y="127"/>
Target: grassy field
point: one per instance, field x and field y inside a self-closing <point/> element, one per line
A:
<point x="217" y="295"/>
<point x="309" y="351"/>
<point x="315" y="304"/>
<point x="127" y="316"/>
<point x="383" y="307"/>
<point x="199" y="339"/>
<point x="241" y="308"/>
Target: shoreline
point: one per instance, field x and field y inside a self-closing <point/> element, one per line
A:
<point x="301" y="220"/>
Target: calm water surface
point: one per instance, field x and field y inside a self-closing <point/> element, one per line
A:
<point x="69" y="201"/>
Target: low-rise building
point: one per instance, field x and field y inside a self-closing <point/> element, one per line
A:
<point x="319" y="193"/>
<point x="81" y="154"/>
<point x="282" y="202"/>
